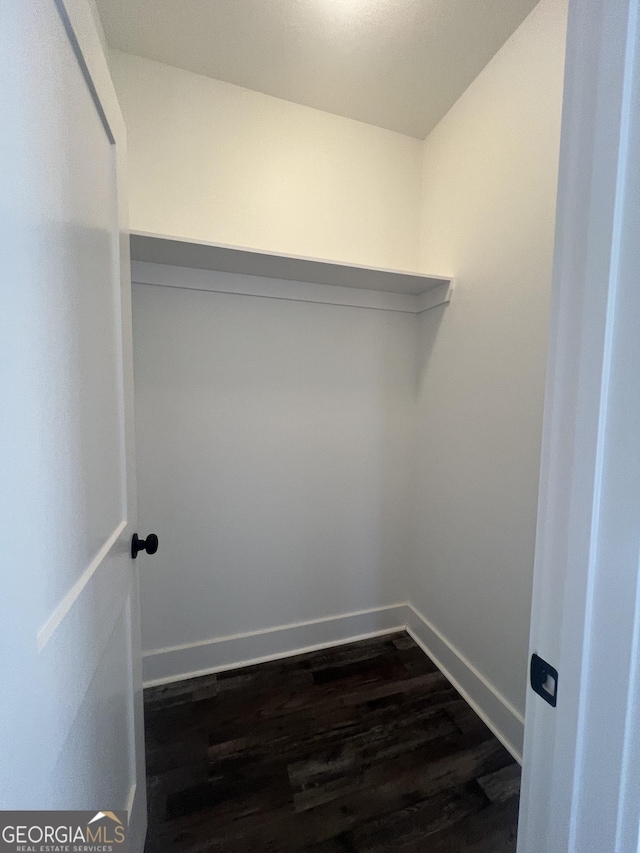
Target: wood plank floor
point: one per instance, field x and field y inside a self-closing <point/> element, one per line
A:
<point x="364" y="747"/>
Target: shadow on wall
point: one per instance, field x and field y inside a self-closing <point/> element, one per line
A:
<point x="395" y="489"/>
<point x="428" y="326"/>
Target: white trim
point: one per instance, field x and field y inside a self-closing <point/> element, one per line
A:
<point x="580" y="784"/>
<point x="164" y="275"/>
<point x="78" y="20"/>
<point x="248" y="634"/>
<point x="504" y="720"/>
<point x="48" y="629"/>
<point x="162" y="666"/>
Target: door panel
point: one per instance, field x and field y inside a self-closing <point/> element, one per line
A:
<point x="70" y="645"/>
<point x="103" y="773"/>
<point x="79" y="386"/>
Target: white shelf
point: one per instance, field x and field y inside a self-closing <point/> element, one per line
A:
<point x="312" y="280"/>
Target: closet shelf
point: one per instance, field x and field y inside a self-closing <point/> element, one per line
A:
<point x="418" y="291"/>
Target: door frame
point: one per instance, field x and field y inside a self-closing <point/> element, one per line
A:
<point x="580" y="786"/>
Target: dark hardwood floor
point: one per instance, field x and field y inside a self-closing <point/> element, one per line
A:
<point x="364" y="747"/>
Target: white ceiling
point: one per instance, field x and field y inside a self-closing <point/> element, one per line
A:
<point x="399" y="64"/>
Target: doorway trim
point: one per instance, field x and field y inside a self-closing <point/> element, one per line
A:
<point x="580" y="787"/>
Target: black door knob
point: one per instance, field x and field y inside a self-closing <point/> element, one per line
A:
<point x="150" y="544"/>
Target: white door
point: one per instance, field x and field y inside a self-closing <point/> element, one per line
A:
<point x="581" y="774"/>
<point x="70" y="705"/>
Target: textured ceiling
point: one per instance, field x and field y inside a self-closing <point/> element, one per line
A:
<point x="399" y="64"/>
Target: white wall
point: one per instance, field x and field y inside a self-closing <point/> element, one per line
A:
<point x="490" y="171"/>
<point x="274" y="443"/>
<point x="212" y="161"/>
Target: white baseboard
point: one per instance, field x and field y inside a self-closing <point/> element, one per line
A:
<point x="187" y="661"/>
<point x="163" y="666"/>
<point x="505" y="721"/>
